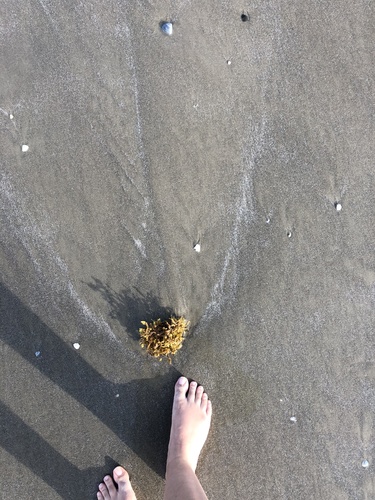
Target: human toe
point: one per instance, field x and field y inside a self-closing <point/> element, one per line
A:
<point x="192" y="391"/>
<point x="209" y="408"/>
<point x="204" y="401"/>
<point x="110" y="486"/>
<point x="121" y="477"/>
<point x="199" y="394"/>
<point x="104" y="491"/>
<point x="181" y="388"/>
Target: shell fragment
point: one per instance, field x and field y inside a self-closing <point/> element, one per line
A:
<point x="167" y="28"/>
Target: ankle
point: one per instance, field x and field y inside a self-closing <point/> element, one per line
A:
<point x="178" y="463"/>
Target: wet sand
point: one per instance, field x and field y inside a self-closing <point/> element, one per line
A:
<point x="140" y="145"/>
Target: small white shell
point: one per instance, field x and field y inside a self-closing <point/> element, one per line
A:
<point x="76" y="345"/>
<point x="338" y="206"/>
<point x="197" y="247"/>
<point x="289" y="234"/>
<point x="229" y="62"/>
<point x="167" y="28"/>
<point x="11" y="116"/>
<point x="37" y="353"/>
<point x="365" y="464"/>
<point x="293" y="419"/>
<point x="24" y="148"/>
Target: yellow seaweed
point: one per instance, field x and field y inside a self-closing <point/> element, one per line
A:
<point x="163" y="338"/>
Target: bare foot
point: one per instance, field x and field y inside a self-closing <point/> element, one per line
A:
<point x="191" y="418"/>
<point x="124" y="490"/>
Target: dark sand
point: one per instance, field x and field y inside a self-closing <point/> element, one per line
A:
<point x="140" y="145"/>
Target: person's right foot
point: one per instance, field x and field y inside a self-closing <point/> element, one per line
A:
<point x="191" y="418"/>
<point x="124" y="490"/>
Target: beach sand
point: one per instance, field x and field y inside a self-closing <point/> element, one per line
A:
<point x="140" y="145"/>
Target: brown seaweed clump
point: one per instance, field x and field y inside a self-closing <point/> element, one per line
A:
<point x="163" y="338"/>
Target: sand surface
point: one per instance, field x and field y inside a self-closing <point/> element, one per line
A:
<point x="140" y="145"/>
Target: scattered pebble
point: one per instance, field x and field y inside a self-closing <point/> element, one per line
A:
<point x="244" y="17"/>
<point x="365" y="464"/>
<point x="76" y="345"/>
<point x="117" y="395"/>
<point x="293" y="419"/>
<point x="24" y="148"/>
<point x="338" y="206"/>
<point x="197" y="247"/>
<point x="167" y="28"/>
<point x="11" y="116"/>
<point x="289" y="234"/>
<point x="37" y="354"/>
<point x="229" y="62"/>
<point x="268" y="220"/>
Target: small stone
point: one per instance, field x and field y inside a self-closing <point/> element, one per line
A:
<point x="76" y="345"/>
<point x="268" y="220"/>
<point x="117" y="395"/>
<point x="197" y="247"/>
<point x="229" y="62"/>
<point x="244" y="18"/>
<point x="11" y="116"/>
<point x="293" y="419"/>
<point x="338" y="206"/>
<point x="167" y="28"/>
<point x="289" y="234"/>
<point x="24" y="148"/>
<point x="37" y="354"/>
<point x="365" y="464"/>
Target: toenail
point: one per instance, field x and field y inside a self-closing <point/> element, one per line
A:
<point x="106" y="478"/>
<point x="181" y="381"/>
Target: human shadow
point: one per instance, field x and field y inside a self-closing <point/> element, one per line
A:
<point x="140" y="415"/>
<point x="31" y="450"/>
<point x="130" y="306"/>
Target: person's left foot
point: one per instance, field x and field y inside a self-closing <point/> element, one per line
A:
<point x="124" y="490"/>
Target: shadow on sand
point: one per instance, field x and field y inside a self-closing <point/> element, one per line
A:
<point x="130" y="306"/>
<point x="145" y="401"/>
